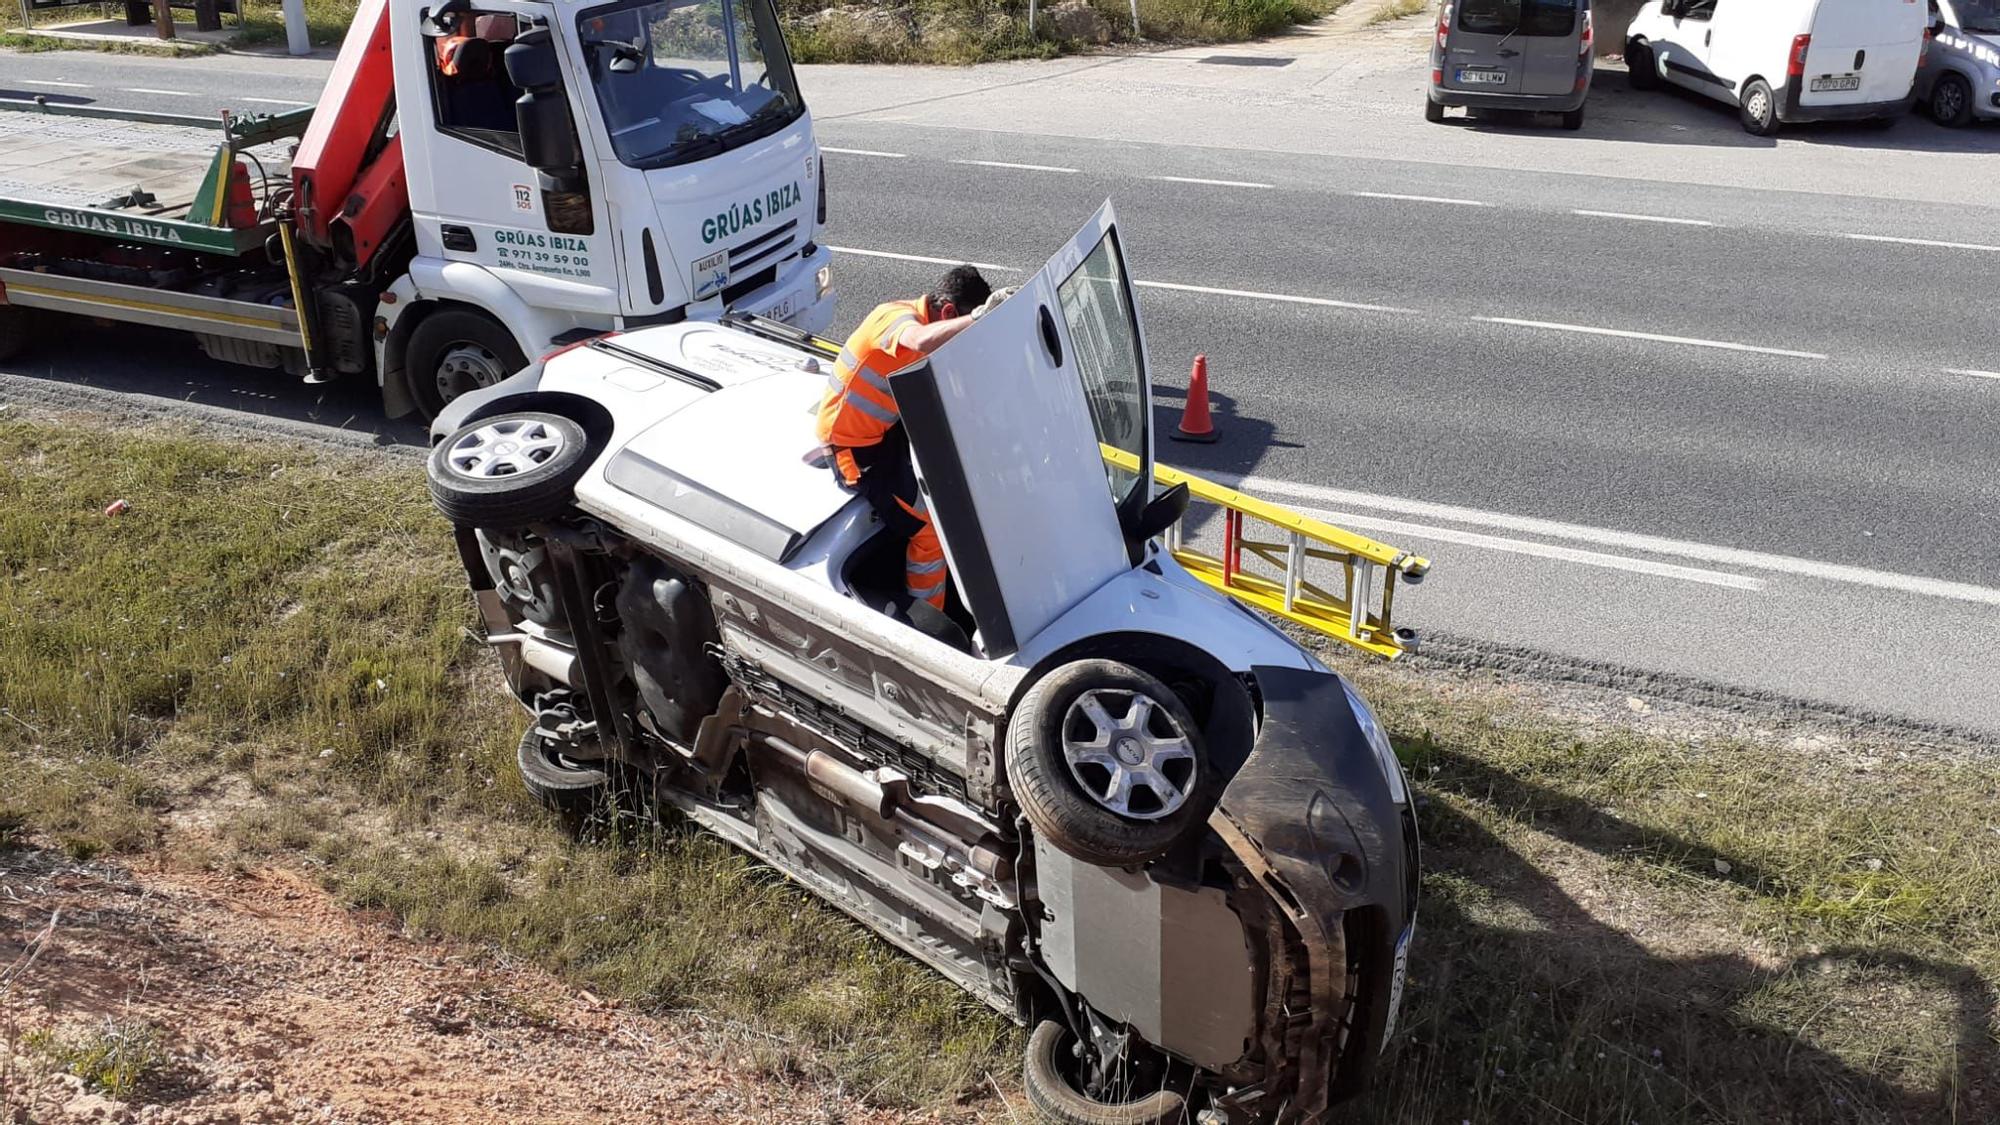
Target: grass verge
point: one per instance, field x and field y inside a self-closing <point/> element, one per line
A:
<point x="1398" y="9"/>
<point x="1617" y="927"/>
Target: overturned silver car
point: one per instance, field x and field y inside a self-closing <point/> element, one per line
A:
<point x="1114" y="804"/>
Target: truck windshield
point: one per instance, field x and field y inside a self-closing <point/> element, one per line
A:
<point x="680" y="80"/>
<point x="1518" y="17"/>
<point x="1106" y="339"/>
<point x="1977" y="15"/>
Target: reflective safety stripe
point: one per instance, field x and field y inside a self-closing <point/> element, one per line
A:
<point x="919" y="589"/>
<point x="874" y="379"/>
<point x="888" y="337"/>
<point x="861" y="403"/>
<point x="859" y="406"/>
<point x="923" y="567"/>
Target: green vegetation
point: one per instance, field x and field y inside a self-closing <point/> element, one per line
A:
<point x="1615" y="927"/>
<point x="119" y="1059"/>
<point x="326" y="22"/>
<point x="1398" y="9"/>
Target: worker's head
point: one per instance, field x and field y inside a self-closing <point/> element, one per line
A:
<point x="959" y="292"/>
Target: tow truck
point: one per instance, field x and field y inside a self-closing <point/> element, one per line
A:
<point x="481" y="182"/>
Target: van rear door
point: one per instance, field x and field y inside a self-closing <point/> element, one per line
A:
<point x="1483" y="52"/>
<point x="1862" y="51"/>
<point x="1550" y="34"/>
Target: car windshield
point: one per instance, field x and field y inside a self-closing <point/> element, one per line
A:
<point x="1522" y="17"/>
<point x="1977" y="15"/>
<point x="680" y="80"/>
<point x="1105" y="336"/>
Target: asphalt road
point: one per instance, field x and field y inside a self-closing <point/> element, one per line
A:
<point x="1653" y="396"/>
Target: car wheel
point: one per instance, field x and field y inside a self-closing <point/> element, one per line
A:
<point x="1433" y="112"/>
<point x="562" y="785"/>
<point x="1107" y="763"/>
<point x="1573" y="120"/>
<point x="454" y="351"/>
<point x="1951" y="101"/>
<point x="1051" y="1089"/>
<point x="15" y="326"/>
<point x="1641" y="70"/>
<point x="1760" y="109"/>
<point x="509" y="470"/>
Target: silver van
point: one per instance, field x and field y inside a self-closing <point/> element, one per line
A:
<point x="1532" y="55"/>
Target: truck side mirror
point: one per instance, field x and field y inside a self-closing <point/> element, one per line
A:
<point x="548" y="135"/>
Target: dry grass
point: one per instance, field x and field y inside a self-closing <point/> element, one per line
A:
<point x="1392" y="10"/>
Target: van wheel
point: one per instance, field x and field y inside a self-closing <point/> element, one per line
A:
<point x="508" y="470"/>
<point x="1573" y="120"/>
<point x="1107" y="763"/>
<point x="1642" y="71"/>
<point x="15" y="326"/>
<point x="1433" y="112"/>
<point x="1760" y="108"/>
<point x="454" y="351"/>
<point x="1049" y="1078"/>
<point x="562" y="786"/>
<point x="1951" y="101"/>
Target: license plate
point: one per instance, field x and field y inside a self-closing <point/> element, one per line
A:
<point x="1482" y="77"/>
<point x="1831" y="82"/>
<point x="783" y="309"/>
<point x="710" y="275"/>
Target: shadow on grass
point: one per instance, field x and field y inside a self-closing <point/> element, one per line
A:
<point x="1524" y="1006"/>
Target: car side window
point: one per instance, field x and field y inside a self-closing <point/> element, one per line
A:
<point x="470" y="92"/>
<point x="1703" y="10"/>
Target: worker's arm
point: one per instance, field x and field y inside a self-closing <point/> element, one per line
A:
<point x="927" y="338"/>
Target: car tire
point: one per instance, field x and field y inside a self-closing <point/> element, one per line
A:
<point x="1642" y="71"/>
<point x="1433" y="112"/>
<point x="1071" y="759"/>
<point x="1573" y="120"/>
<point x="16" y="330"/>
<point x="567" y="788"/>
<point x="1056" y="1098"/>
<point x="454" y="351"/>
<point x="1951" y="101"/>
<point x="1759" y="109"/>
<point x="509" y="470"/>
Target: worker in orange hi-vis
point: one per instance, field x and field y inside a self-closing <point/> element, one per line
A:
<point x="862" y="430"/>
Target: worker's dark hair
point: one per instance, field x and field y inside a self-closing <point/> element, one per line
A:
<point x="961" y="287"/>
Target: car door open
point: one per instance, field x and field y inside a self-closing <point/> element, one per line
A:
<point x="1008" y="423"/>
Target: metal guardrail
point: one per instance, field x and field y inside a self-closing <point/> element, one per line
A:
<point x="1284" y="554"/>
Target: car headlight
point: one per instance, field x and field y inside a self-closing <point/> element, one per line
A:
<point x="1378" y="741"/>
<point x="823" y="280"/>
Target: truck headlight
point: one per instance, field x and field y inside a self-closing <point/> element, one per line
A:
<point x="823" y="281"/>
<point x="1378" y="741"/>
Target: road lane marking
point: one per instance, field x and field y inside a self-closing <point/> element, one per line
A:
<point x="921" y="258"/>
<point x="54" y="82"/>
<point x="1653" y="336"/>
<point x="865" y="152"/>
<point x="1711" y="554"/>
<point x="1971" y="372"/>
<point x="150" y="90"/>
<point x="1644" y="218"/>
<point x="1543" y="550"/>
<point x="1284" y="298"/>
<point x="1420" y="198"/>
<point x="1923" y="242"/>
<point x="1210" y="183"/>
<point x="274" y="101"/>
<point x="1021" y="167"/>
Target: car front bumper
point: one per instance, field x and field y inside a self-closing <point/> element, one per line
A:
<point x="1325" y="824"/>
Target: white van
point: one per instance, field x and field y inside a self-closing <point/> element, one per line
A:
<point x="1784" y="60"/>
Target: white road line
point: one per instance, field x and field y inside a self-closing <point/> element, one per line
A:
<point x="1543" y="550"/>
<point x="864" y="152"/>
<point x="1653" y="336"/>
<point x="1022" y="167"/>
<point x="1971" y="372"/>
<point x="54" y="82"/>
<point x="1420" y="198"/>
<point x="920" y="258"/>
<point x="1923" y="242"/>
<point x="274" y="101"/>
<point x="1210" y="183"/>
<point x="1285" y="298"/>
<point x="1644" y="218"/>
<point x="150" y="90"/>
<point x="1732" y="557"/>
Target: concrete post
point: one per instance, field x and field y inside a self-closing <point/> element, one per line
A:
<point x="296" y="39"/>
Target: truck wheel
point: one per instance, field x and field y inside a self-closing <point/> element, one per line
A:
<point x="509" y="470"/>
<point x="14" y="326"/>
<point x="1053" y="1092"/>
<point x="1107" y="763"/>
<point x="1642" y="71"/>
<point x="1951" y="101"/>
<point x="1760" y="108"/>
<point x="454" y="351"/>
<point x="562" y="786"/>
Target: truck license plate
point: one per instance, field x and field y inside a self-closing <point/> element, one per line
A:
<point x="1469" y="77"/>
<point x="1830" y="82"/>
<point x="709" y="275"/>
<point x="784" y="309"/>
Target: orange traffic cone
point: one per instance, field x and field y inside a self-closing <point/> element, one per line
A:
<point x="1196" y="425"/>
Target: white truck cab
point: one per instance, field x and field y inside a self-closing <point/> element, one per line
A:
<point x="1784" y="61"/>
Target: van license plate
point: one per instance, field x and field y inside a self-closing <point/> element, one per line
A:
<point x="1467" y="77"/>
<point x="1829" y="82"/>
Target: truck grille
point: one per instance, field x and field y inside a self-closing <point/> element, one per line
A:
<point x="766" y="246"/>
